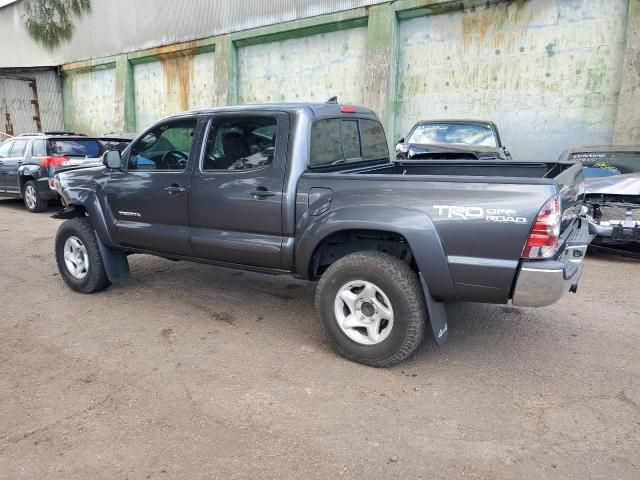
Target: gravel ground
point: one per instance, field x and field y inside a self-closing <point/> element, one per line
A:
<point x="189" y="371"/>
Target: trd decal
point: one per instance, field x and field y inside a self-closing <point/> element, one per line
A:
<point x="498" y="215"/>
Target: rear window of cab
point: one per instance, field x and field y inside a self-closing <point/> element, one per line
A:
<point x="337" y="141"/>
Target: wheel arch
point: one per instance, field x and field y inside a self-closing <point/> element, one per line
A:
<point x="409" y="225"/>
<point x="84" y="202"/>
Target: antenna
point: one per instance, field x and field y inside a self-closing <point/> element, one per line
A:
<point x="332" y="100"/>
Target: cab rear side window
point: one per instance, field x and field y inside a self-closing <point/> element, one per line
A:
<point x="336" y="141"/>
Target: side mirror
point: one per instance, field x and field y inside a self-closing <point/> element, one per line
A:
<point x="111" y="159"/>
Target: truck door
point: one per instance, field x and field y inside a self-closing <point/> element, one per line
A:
<point x="148" y="200"/>
<point x="236" y="192"/>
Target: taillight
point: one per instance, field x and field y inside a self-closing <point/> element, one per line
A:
<point x="347" y="109"/>
<point x="543" y="239"/>
<point x="57" y="161"/>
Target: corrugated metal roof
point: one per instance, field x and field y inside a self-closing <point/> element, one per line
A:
<point x="116" y="26"/>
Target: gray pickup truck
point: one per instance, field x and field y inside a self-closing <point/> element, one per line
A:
<point x="309" y="190"/>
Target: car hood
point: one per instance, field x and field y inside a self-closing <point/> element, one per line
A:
<point x="627" y="184"/>
<point x="477" y="150"/>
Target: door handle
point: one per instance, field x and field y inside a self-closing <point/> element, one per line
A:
<point x="174" y="189"/>
<point x="262" y="192"/>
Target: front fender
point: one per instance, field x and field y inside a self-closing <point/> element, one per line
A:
<point x="415" y="226"/>
<point x="87" y="198"/>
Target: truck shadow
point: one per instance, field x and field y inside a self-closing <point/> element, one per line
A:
<point x="276" y="304"/>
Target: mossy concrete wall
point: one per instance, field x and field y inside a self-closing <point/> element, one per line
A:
<point x="311" y="68"/>
<point x="549" y="72"/>
<point x="171" y="84"/>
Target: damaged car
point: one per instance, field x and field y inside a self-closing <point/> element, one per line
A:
<point x="452" y="140"/>
<point x="612" y="192"/>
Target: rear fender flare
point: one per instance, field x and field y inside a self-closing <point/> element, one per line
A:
<point x="415" y="226"/>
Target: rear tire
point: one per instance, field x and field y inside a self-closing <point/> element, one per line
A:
<point x="32" y="199"/>
<point x="78" y="256"/>
<point x="372" y="308"/>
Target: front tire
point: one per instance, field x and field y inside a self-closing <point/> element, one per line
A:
<point x="32" y="199"/>
<point x="78" y="256"/>
<point x="372" y="308"/>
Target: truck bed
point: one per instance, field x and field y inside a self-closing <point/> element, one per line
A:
<point x="455" y="199"/>
<point x="465" y="168"/>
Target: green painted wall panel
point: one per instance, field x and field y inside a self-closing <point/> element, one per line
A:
<point x="313" y="68"/>
<point x="173" y="84"/>
<point x="89" y="105"/>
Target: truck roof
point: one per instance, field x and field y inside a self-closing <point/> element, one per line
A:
<point x="329" y="109"/>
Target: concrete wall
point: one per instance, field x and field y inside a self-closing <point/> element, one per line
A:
<point x="549" y="72"/>
<point x="172" y="84"/>
<point x="88" y="97"/>
<point x="312" y="68"/>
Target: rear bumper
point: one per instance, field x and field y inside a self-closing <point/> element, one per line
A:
<point x="620" y="233"/>
<point x="44" y="190"/>
<point x="543" y="282"/>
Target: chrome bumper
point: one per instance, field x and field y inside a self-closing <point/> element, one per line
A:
<point x="543" y="282"/>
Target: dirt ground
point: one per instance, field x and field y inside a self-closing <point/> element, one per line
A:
<point x="191" y="372"/>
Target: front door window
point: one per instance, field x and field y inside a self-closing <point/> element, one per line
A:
<point x="166" y="147"/>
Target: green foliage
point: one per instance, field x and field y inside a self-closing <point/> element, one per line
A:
<point x="50" y="22"/>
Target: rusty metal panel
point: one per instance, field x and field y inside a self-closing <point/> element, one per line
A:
<point x="173" y="84"/>
<point x="546" y="71"/>
<point x="16" y="109"/>
<point x="90" y="101"/>
<point x="50" y="99"/>
<point x="313" y="68"/>
<point x="30" y="101"/>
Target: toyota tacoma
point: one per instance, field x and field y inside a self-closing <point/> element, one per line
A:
<point x="310" y="190"/>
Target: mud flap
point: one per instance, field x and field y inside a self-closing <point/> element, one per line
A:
<point x="115" y="263"/>
<point x="437" y="315"/>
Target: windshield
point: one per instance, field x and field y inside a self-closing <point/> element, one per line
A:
<point x="76" y="148"/>
<point x="453" y="133"/>
<point x="606" y="164"/>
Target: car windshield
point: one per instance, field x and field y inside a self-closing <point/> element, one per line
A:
<point x="606" y="164"/>
<point x="75" y="148"/>
<point x="453" y="133"/>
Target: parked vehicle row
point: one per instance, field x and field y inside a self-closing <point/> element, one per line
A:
<point x="310" y="190"/>
<point x="29" y="162"/>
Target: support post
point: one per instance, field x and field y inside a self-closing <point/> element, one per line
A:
<point x="225" y="71"/>
<point x="627" y="127"/>
<point x="125" y="95"/>
<point x="381" y="69"/>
